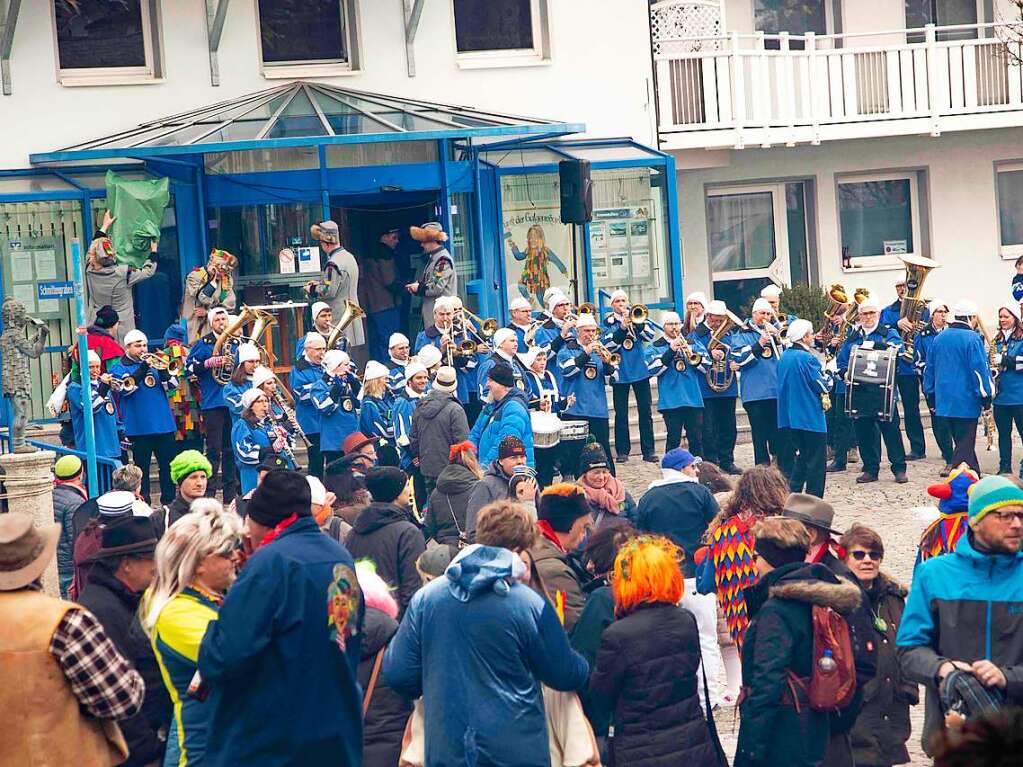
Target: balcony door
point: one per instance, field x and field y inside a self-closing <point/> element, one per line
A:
<point x="796" y="17"/>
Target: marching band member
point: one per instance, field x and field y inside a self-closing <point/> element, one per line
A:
<point x="543" y="393"/>
<point x="521" y="320"/>
<point x="207" y="287"/>
<point x="249" y="359"/>
<point x="104" y="415"/>
<point x="679" y="399"/>
<point x="263" y="378"/>
<point x="215" y="414"/>
<point x="398" y="350"/>
<point x="375" y="410"/>
<point x="506" y="346"/>
<point x="802" y="388"/>
<point x="416" y="380"/>
<point x="148" y="421"/>
<point x="431" y="358"/>
<point x="907" y="379"/>
<point x="757" y="352"/>
<point x="304" y="375"/>
<point x="772" y="294"/>
<point x="470" y="371"/>
<point x="1008" y="403"/>
<point x="869" y="430"/>
<point x="559" y="326"/>
<point x="629" y="339"/>
<point x="585" y="367"/>
<point x="841" y="436"/>
<point x="438" y="277"/>
<point x="958" y="373"/>
<point x="254" y="431"/>
<point x="441" y="335"/>
<point x="339" y="282"/>
<point x="696" y="307"/>
<point x="335" y="396"/>
<point x="719" y="427"/>
<point x="323" y="322"/>
<point x="184" y="400"/>
<point x="921" y="350"/>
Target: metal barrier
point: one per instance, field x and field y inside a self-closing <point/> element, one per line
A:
<point x="104" y="466"/>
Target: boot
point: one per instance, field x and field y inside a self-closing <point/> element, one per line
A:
<point x="853" y="456"/>
<point x="865" y="478"/>
<point x="901" y="478"/>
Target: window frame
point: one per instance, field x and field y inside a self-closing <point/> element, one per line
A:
<point x="778" y="270"/>
<point x="831" y="25"/>
<point x="152" y="41"/>
<point x="316" y="67"/>
<point x="538" y="55"/>
<point x="981" y="7"/>
<point x="1005" y="252"/>
<point x="881" y="262"/>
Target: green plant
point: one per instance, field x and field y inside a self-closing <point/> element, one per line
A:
<point x="808" y="302"/>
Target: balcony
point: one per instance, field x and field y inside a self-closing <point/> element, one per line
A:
<point x="733" y="91"/>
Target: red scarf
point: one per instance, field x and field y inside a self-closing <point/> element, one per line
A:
<point x="548" y="532"/>
<point x="283" y="525"/>
<point x="818" y="555"/>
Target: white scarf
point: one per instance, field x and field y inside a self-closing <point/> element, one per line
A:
<point x="670" y="477"/>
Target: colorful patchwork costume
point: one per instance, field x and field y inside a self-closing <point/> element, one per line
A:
<point x="953" y="495"/>
<point x="731" y="546"/>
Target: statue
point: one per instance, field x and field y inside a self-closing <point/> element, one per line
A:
<point x="17" y="349"/>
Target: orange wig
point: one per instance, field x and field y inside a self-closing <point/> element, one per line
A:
<point x="647" y="571"/>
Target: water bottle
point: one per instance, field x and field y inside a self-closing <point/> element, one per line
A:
<point x="826" y="663"/>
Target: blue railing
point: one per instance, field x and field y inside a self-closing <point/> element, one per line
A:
<point x="104" y="466"/>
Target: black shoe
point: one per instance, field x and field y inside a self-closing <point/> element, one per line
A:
<point x="622" y="459"/>
<point x="914" y="456"/>
<point x="864" y="478"/>
<point x="731" y="469"/>
<point x="901" y="478"/>
<point x="833" y="468"/>
<point x="945" y="471"/>
<point x="651" y="458"/>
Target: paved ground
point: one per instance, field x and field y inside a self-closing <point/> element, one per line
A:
<point x="897" y="512"/>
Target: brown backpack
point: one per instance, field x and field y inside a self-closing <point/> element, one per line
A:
<point x="832" y="689"/>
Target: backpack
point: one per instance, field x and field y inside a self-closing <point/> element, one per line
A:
<point x="830" y="690"/>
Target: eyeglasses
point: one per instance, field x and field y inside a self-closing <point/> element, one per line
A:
<point x="1008" y="516"/>
<point x="859" y="555"/>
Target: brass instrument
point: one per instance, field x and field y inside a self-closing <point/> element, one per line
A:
<point x="486" y="328"/>
<point x="609" y="357"/>
<point x="774" y="334"/>
<point x="825" y="402"/>
<point x="160" y="361"/>
<point x="720" y="375"/>
<point x="583" y="308"/>
<point x="913" y="304"/>
<point x="474" y="340"/>
<point x="987" y="414"/>
<point x="351" y="313"/>
<point x="123" y="385"/>
<point x="231" y="337"/>
<point x="639" y="314"/>
<point x="851" y="314"/>
<point x="530" y="335"/>
<point x="684" y="353"/>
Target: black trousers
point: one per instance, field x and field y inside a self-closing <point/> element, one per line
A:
<point x="315" y="457"/>
<point x="964" y="440"/>
<point x="472" y="409"/>
<point x="719" y="430"/>
<point x="164" y="447"/>
<point x="763" y="422"/>
<point x="869" y="432"/>
<point x="1005" y="417"/>
<point x="943" y="436"/>
<point x="623" y="441"/>
<point x="688" y="418"/>
<point x="802" y="460"/>
<point x="909" y="393"/>
<point x="217" y="428"/>
<point x="546" y="462"/>
<point x="599" y="429"/>
<point x="841" y="435"/>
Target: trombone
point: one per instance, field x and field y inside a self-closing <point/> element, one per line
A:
<point x="583" y="308"/>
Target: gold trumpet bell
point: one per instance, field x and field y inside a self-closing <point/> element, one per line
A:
<point x="351" y="313"/>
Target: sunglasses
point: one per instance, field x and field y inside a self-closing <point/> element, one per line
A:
<point x="860" y="555"/>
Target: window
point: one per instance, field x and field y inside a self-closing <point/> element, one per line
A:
<point x="879" y="219"/>
<point x="797" y="17"/>
<point x="103" y="42"/>
<point x="942" y="13"/>
<point x="741" y="228"/>
<point x="315" y="36"/>
<point x="501" y="32"/>
<point x="1010" y="210"/>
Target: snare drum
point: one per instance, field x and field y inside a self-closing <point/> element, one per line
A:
<point x="546" y="429"/>
<point x="870" y="389"/>
<point x="572" y="431"/>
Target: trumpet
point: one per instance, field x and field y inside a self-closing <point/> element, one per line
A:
<point x="683" y="349"/>
<point x="583" y="308"/>
<point x="123" y="385"/>
<point x="160" y="361"/>
<point x="609" y="357"/>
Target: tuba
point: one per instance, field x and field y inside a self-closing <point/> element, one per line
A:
<point x="351" y="313"/>
<point x="720" y="375"/>
<point x="231" y="338"/>
<point x="913" y="304"/>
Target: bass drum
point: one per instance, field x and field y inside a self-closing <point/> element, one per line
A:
<point x="870" y="383"/>
<point x="546" y="428"/>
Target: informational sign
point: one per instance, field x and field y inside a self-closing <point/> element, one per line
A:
<point x="621" y="248"/>
<point x="286" y="261"/>
<point x="33" y="267"/>
<point x="308" y="260"/>
<point x="55" y="290"/>
<point x="894" y="247"/>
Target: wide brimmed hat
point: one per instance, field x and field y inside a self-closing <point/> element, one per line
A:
<point x="429" y="232"/>
<point x="810" y="510"/>
<point x="132" y="535"/>
<point x="25" y="550"/>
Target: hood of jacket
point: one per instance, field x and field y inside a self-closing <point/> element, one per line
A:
<point x="494" y="470"/>
<point x="672" y="477"/>
<point x="543" y="550"/>
<point x="377" y="515"/>
<point x="514" y="393"/>
<point x="377" y="629"/>
<point x="483" y="569"/>
<point x="433" y="403"/>
<point x="815" y="585"/>
<point x="455" y="479"/>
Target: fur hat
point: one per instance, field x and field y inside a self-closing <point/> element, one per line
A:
<point x="188" y="462"/>
<point x="325" y="231"/>
<point x="429" y="232"/>
<point x="561" y="505"/>
<point x="280" y="494"/>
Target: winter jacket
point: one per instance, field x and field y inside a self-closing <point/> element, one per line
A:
<point x="284" y="650"/>
<point x="681" y="509"/>
<point x="115" y="607"/>
<point x="493" y="487"/>
<point x="385" y="533"/>
<point x="507" y="418"/>
<point x="339" y="284"/>
<point x="559" y="572"/>
<point x="166" y="515"/>
<point x="677" y="388"/>
<point x="211" y="391"/>
<point x="105" y="429"/>
<point x="336" y="398"/>
<point x="437" y="278"/>
<point x="111" y="286"/>
<point x="500" y="639"/>
<point x="445" y="514"/>
<point x="205" y="291"/>
<point x="145" y="410"/>
<point x="890" y="316"/>
<point x="957" y="372"/>
<point x="730" y="340"/>
<point x="801" y="382"/>
<point x="375" y="418"/>
<point x="437" y="423"/>
<point x="1009" y="386"/>
<point x="758" y="365"/>
<point x="384" y="724"/>
<point x="882" y="728"/>
<point x="646" y="674"/>
<point x="631" y="345"/>
<point x="585" y="376"/>
<point x="67" y="497"/>
<point x="780" y="639"/>
<point x="963" y="606"/>
<point x="302" y="378"/>
<point x="101" y="341"/>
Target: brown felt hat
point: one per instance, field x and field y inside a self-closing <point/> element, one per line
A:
<point x="25" y="550"/>
<point x="810" y="510"/>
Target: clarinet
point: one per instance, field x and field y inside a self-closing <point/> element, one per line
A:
<point x="274" y="431"/>
<point x="289" y="413"/>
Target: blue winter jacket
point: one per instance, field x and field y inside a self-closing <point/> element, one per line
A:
<point x="882" y="336"/>
<point x="104" y="419"/>
<point x="211" y="393"/>
<point x="890" y="316"/>
<point x="375" y="418"/>
<point x="584" y="376"/>
<point x="633" y="366"/>
<point x="702" y="334"/>
<point x="146" y="410"/>
<point x="336" y="399"/>
<point x="232" y="393"/>
<point x="759" y="372"/>
<point x="302" y="378"/>
<point x="801" y="382"/>
<point x="247" y="441"/>
<point x="463" y="365"/>
<point x="507" y="418"/>
<point x="1009" y="386"/>
<point x="677" y="388"/>
<point x="549" y="337"/>
<point x="484" y="368"/>
<point x="500" y="640"/>
<point x="282" y="658"/>
<point x="401" y="415"/>
<point x="957" y="372"/>
<point x="921" y="351"/>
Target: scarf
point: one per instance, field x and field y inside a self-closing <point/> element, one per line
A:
<point x="816" y="553"/>
<point x="283" y="525"/>
<point x="548" y="532"/>
<point x="609" y="498"/>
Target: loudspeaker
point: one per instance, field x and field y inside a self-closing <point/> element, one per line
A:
<point x="576" y="191"/>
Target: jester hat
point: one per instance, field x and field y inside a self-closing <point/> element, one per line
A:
<point x="954" y="493"/>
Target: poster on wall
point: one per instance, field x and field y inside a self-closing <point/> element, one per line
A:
<point x="621" y="246"/>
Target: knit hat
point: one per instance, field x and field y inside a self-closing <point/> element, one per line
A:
<point x="93" y="358"/>
<point x="116" y="503"/>
<point x="175" y="332"/>
<point x="216" y="311"/>
<point x="670" y="317"/>
<point x="106" y="317"/>
<point x="413" y="369"/>
<point x="188" y="462"/>
<point x="317" y="492"/>
<point x="319" y="307"/>
<point x="250" y="396"/>
<point x="519" y="303"/>
<point x="333" y="359"/>
<point x="965" y="308"/>
<point x="502" y="374"/>
<point x="280" y="494"/>
<point x="990" y="494"/>
<point x="325" y="231"/>
<point x="954" y="493"/>
<point x="135" y="335"/>
<point x="555" y="300"/>
<point x="355" y="441"/>
<point x="248" y="353"/>
<point x="444" y="304"/>
<point x="870" y="304"/>
<point x="770" y="291"/>
<point x="561" y="505"/>
<point x="717" y="308"/>
<point x="313" y="339"/>
<point x="429" y="356"/>
<point x="385" y="483"/>
<point x="1012" y="308"/>
<point x="435" y="560"/>
<point x="798" y="329"/>
<point x="592" y="457"/>
<point x="619" y="294"/>
<point x="762" y="305"/>
<point x="699" y="297"/>
<point x="67" y="467"/>
<point x="397" y="339"/>
<point x="261" y="375"/>
<point x="502" y="335"/>
<point x="520" y="474"/>
<point x="585" y="321"/>
<point x="511" y="447"/>
<point x="678" y="459"/>
<point x="446" y="380"/>
<point x="373" y="371"/>
<point x="528" y="357"/>
<point x="936" y="304"/>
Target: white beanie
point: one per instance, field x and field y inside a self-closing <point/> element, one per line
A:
<point x="502" y="335"/>
<point x="798" y="329"/>
<point x="413" y="369"/>
<point x="334" y="358"/>
<point x="518" y="303"/>
<point x="429" y="355"/>
<point x="717" y="307"/>
<point x="1010" y="306"/>
<point x="762" y="305"/>
<point x="936" y="304"/>
<point x="670" y="317"/>
<point x="315" y="339"/>
<point x="135" y="335"/>
<point x="319" y="307"/>
<point x="216" y="311"/>
<point x="586" y="321"/>
<point x="528" y="357"/>
<point x="870" y="303"/>
<point x="250" y="396"/>
<point x="397" y="339"/>
<point x="550" y="292"/>
<point x="317" y="492"/>
<point x="443" y="304"/>
<point x="770" y="291"/>
<point x="965" y="308"/>
<point x="248" y="353"/>
<point x="94" y="358"/>
<point x="373" y="371"/>
<point x="699" y="297"/>
<point x="261" y="375"/>
<point x="456" y="302"/>
<point x="619" y="294"/>
<point x="556" y="299"/>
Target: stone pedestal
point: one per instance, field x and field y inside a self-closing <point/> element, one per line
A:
<point x="28" y="483"/>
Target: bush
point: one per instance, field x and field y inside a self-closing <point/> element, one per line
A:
<point x="808" y="302"/>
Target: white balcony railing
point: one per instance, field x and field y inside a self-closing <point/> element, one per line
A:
<point x="738" y="90"/>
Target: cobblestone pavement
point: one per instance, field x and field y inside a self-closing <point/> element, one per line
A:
<point x="897" y="512"/>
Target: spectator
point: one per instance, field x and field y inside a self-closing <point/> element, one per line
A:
<point x="434" y="561"/>
<point x="882" y="727"/>
<point x="605" y="493"/>
<point x="645" y="674"/>
<point x="322" y="508"/>
<point x="127" y="478"/>
<point x="438" y="423"/>
<point x="65" y="659"/>
<point x="268" y="461"/>
<point x="102" y="336"/>
<point x="190" y="472"/>
<point x="715" y="479"/>
<point x="287" y="640"/>
<point x="123" y="570"/>
<point x="445" y="514"/>
<point x="961" y="612"/>
<point x="384" y="532"/>
<point x="496" y="479"/>
<point x="992" y="740"/>
<point x="112" y="506"/>
<point x="524" y="488"/>
<point x="778" y="730"/>
<point x="195" y="565"/>
<point x="346" y="477"/>
<point x="564" y="519"/>
<point x="506" y="415"/>
<point x="69" y="493"/>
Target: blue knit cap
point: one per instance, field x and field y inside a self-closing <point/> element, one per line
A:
<point x="990" y="494"/>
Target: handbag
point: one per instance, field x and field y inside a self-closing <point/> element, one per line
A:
<point x="705" y="582"/>
<point x="374" y="675"/>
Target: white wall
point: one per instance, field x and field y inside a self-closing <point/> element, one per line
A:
<point x="600" y="73"/>
<point x="963" y="210"/>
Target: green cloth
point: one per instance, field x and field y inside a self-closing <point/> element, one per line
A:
<point x="137" y="207"/>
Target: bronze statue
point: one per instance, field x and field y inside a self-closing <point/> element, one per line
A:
<point x="17" y="348"/>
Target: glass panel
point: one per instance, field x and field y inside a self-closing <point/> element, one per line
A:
<point x="607" y="153"/>
<point x="472" y="122"/>
<point x="96" y="34"/>
<point x="180" y="136"/>
<point x="797" y="17"/>
<point x="795" y="215"/>
<point x="740" y="228"/>
<point x="239" y="130"/>
<point x="875" y="216"/>
<point x="99" y="180"/>
<point x="257" y="160"/>
<point x="30" y="184"/>
<point x="331" y="106"/>
<point x="466" y="264"/>
<point x="1010" y="206"/>
<point x="285" y="127"/>
<point x="295" y="31"/>
<point x="257" y="233"/>
<point x="919" y="13"/>
<point x="518" y="158"/>
<point x="383" y="153"/>
<point x="493" y="25"/>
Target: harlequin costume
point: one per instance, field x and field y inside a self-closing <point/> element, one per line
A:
<point x="731" y="547"/>
<point x="953" y="496"/>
